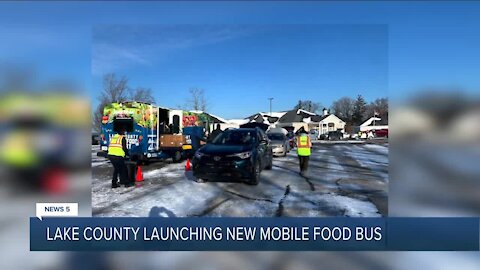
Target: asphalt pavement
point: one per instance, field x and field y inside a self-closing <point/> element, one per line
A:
<point x="343" y="180"/>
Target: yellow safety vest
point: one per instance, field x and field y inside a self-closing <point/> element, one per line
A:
<point x="303" y="145"/>
<point x="115" y="148"/>
<point x="17" y="151"/>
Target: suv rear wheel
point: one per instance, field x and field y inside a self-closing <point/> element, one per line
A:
<point x="255" y="174"/>
<point x="270" y="163"/>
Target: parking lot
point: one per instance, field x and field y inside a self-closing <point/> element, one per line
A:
<point x="343" y="180"/>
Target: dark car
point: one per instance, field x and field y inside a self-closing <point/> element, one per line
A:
<point x="238" y="153"/>
<point x="95" y="138"/>
<point x="291" y="139"/>
<point x="335" y="135"/>
<point x="323" y="137"/>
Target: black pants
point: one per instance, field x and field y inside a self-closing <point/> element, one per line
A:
<point x="303" y="163"/>
<point x="119" y="169"/>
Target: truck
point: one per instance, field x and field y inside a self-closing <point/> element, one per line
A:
<point x="152" y="132"/>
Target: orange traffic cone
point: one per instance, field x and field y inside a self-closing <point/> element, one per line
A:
<point x="188" y="166"/>
<point x="139" y="174"/>
<point x="55" y="182"/>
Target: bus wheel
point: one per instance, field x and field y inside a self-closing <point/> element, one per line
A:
<point x="177" y="156"/>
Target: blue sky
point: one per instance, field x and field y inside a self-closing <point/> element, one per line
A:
<point x="376" y="49"/>
<point x="239" y="67"/>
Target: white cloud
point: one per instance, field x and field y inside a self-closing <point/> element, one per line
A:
<point x="108" y="57"/>
<point x="118" y="47"/>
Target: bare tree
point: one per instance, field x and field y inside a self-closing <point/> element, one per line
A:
<point x="203" y="103"/>
<point x="142" y="94"/>
<point x="379" y="107"/>
<point x="308" y="105"/>
<point x="197" y="100"/>
<point x="114" y="90"/>
<point x="343" y="108"/>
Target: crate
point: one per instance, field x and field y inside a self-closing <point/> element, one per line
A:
<point x="172" y="140"/>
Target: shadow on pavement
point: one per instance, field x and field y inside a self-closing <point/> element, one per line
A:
<point x="160" y="212"/>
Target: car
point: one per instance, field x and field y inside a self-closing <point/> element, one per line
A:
<point x="313" y="134"/>
<point x="280" y="144"/>
<point x="95" y="138"/>
<point x="291" y="139"/>
<point x="335" y="135"/>
<point x="381" y="133"/>
<point x="237" y="153"/>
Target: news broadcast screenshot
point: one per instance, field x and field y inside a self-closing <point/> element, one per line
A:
<point x="242" y="135"/>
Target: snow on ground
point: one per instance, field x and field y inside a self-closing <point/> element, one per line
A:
<point x="379" y="148"/>
<point x="333" y="187"/>
<point x="338" y="142"/>
<point x="171" y="171"/>
<point x="378" y="163"/>
<point x="97" y="161"/>
<point x="460" y="159"/>
<point x="324" y="205"/>
<point x="428" y="170"/>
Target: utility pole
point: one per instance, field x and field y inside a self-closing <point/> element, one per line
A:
<point x="270" y="105"/>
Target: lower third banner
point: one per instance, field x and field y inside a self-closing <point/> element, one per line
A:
<point x="242" y="234"/>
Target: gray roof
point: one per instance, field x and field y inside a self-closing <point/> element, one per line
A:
<point x="259" y="118"/>
<point x="383" y="122"/>
<point x="298" y="116"/>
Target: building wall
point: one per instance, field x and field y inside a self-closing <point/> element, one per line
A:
<point x="366" y="125"/>
<point x="313" y="126"/>
<point x="332" y="123"/>
<point x="368" y="128"/>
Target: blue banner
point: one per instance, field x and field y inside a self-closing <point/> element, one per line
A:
<point x="242" y="234"/>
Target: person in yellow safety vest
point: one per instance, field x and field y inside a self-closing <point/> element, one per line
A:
<point x="17" y="150"/>
<point x="303" y="150"/>
<point x="117" y="150"/>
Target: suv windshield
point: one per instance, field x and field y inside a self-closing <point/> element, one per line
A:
<point x="235" y="137"/>
<point x="276" y="137"/>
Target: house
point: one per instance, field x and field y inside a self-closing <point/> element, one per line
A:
<point x="266" y="118"/>
<point x="296" y="119"/>
<point x="311" y="121"/>
<point x="330" y="122"/>
<point x="212" y="121"/>
<point x="374" y="123"/>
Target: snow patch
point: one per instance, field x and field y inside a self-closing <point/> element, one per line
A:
<point x="379" y="148"/>
<point x="315" y="205"/>
<point x="100" y="163"/>
<point x="377" y="163"/>
<point x="167" y="171"/>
